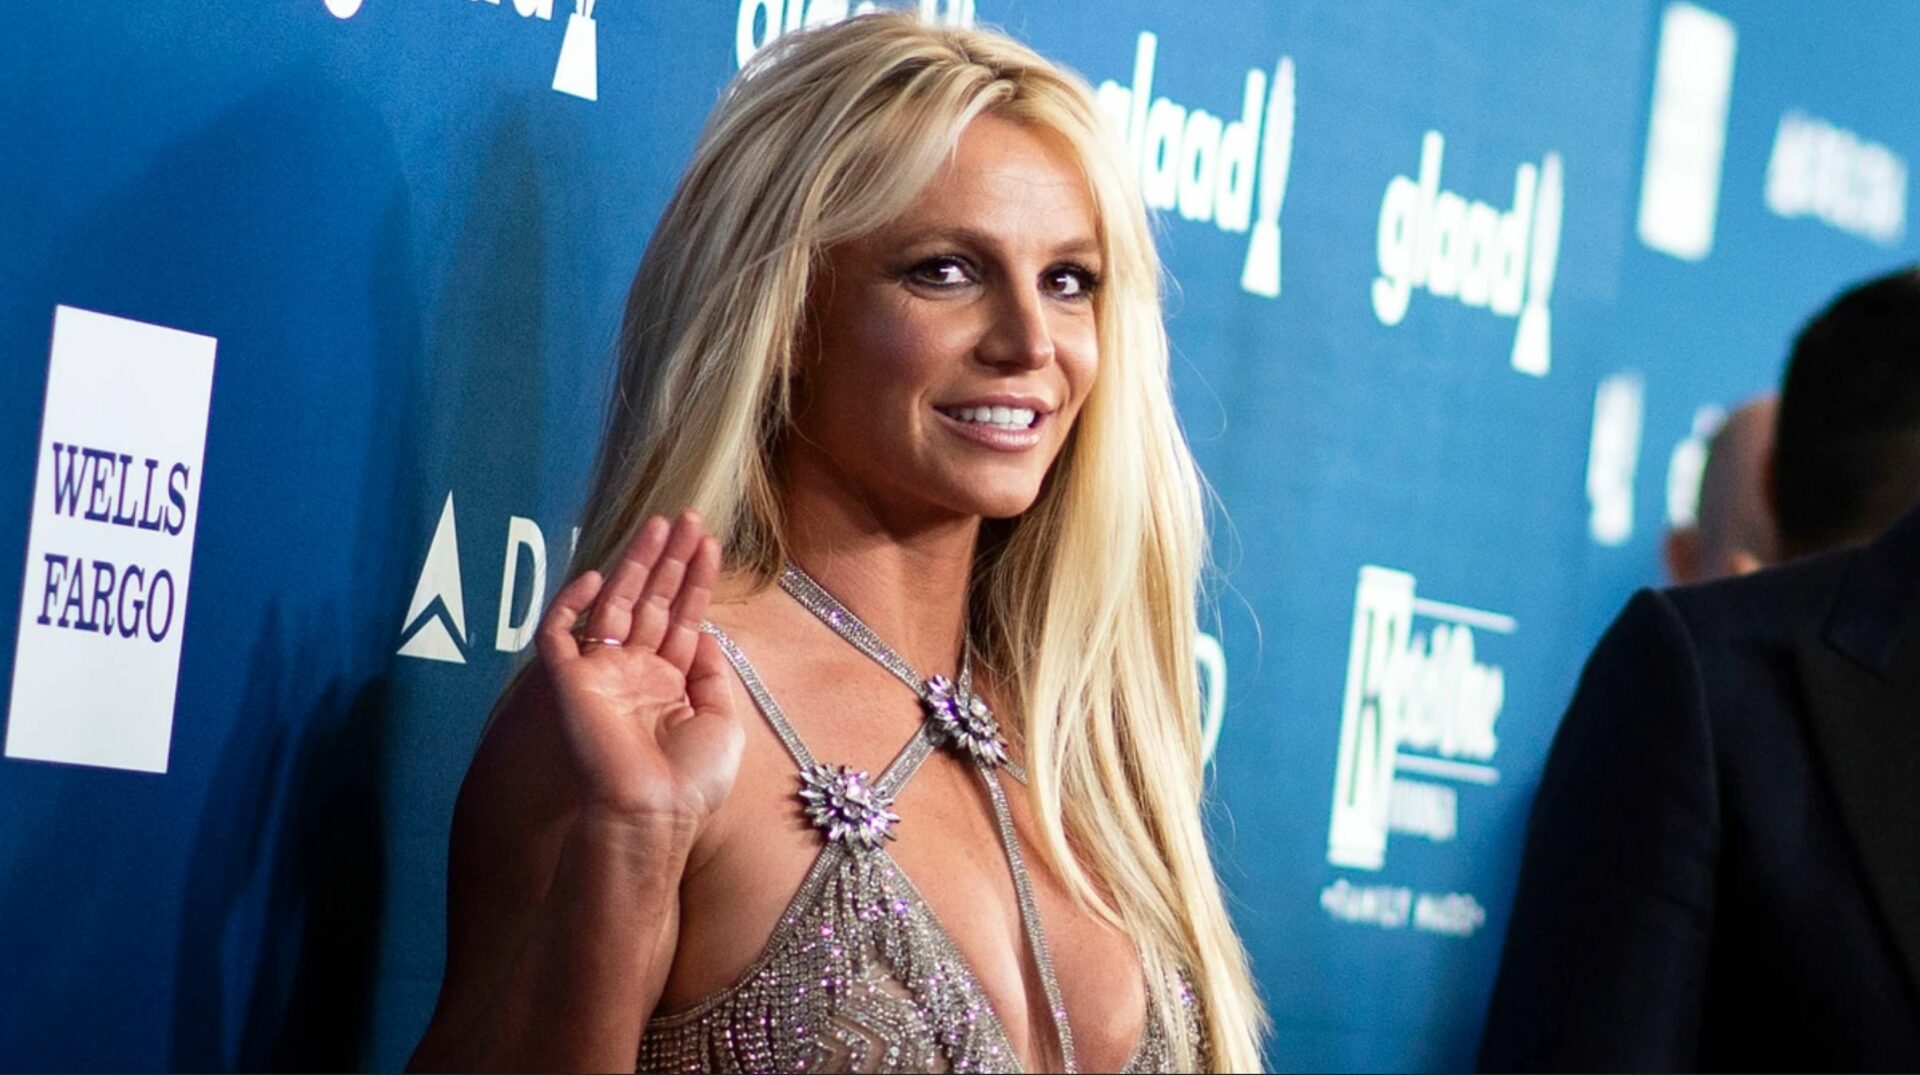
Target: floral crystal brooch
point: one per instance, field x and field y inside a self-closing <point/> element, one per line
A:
<point x="965" y="721"/>
<point x="840" y="801"/>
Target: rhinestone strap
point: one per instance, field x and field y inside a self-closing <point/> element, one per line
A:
<point x="890" y="780"/>
<point x="1030" y="918"/>
<point x="815" y="599"/>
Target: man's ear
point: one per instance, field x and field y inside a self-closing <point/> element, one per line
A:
<point x="1681" y="552"/>
<point x="1742" y="562"/>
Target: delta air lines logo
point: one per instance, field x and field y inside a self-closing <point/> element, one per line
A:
<point x="435" y="625"/>
<point x="1504" y="261"/>
<point x="1232" y="172"/>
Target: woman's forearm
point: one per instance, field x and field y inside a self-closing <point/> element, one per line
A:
<point x="594" y="959"/>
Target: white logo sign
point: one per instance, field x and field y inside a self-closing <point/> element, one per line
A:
<point x="1418" y="702"/>
<point x="1687" y="132"/>
<point x="436" y="623"/>
<point x="1687" y="467"/>
<point x="116" y="503"/>
<point x="435" y="627"/>
<point x="1211" y="658"/>
<point x="761" y="22"/>
<point x="1613" y="456"/>
<point x="1434" y="240"/>
<point x="1192" y="161"/>
<point x="578" y="71"/>
<point x="1838" y="178"/>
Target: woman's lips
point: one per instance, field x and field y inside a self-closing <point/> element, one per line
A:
<point x="996" y="437"/>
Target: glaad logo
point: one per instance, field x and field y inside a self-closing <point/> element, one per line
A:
<point x="110" y="548"/>
<point x="1192" y="161"/>
<point x="761" y="22"/>
<point x="1437" y="240"/>
<point x="1417" y="702"/>
<point x="435" y="627"/>
<point x="1838" y="178"/>
<point x="577" y="73"/>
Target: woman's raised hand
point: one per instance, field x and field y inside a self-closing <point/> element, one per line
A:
<point x="643" y="694"/>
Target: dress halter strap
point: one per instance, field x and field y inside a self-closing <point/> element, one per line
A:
<point x="891" y="780"/>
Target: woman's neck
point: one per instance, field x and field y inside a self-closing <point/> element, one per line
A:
<point x="906" y="579"/>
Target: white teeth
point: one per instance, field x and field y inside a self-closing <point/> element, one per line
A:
<point x="998" y="417"/>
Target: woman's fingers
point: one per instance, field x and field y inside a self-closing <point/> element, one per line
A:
<point x="690" y="607"/>
<point x="709" y="683"/>
<point x="655" y="608"/>
<point x="613" y="613"/>
<point x="555" y="637"/>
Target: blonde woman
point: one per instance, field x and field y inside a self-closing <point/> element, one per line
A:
<point x="868" y="738"/>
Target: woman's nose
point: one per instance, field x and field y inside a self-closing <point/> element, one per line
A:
<point x="1019" y="334"/>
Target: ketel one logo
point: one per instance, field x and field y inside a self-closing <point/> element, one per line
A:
<point x="1419" y="704"/>
<point x="1437" y="241"/>
<point x="578" y="71"/>
<point x="1206" y="167"/>
<point x="435" y="627"/>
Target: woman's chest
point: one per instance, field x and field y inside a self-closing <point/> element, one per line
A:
<point x="948" y="856"/>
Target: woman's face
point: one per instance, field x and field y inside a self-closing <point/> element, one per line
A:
<point x="953" y="348"/>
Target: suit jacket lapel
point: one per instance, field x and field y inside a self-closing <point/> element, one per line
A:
<point x="1863" y="703"/>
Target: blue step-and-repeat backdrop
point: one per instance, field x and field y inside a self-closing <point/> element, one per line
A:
<point x="306" y="310"/>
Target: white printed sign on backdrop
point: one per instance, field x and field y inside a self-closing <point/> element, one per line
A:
<point x="1417" y="728"/>
<point x="1687" y="132"/>
<point x="116" y="503"/>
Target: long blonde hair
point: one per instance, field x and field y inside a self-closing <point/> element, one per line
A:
<point x="1085" y="603"/>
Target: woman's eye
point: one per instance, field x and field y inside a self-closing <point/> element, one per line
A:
<point x="942" y="272"/>
<point x="1072" y="281"/>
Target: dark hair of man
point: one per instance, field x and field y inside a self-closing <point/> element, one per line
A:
<point x="1846" y="459"/>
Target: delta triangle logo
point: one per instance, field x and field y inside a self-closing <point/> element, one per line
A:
<point x="436" y="625"/>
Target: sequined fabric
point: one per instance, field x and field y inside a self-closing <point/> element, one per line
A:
<point x="858" y="976"/>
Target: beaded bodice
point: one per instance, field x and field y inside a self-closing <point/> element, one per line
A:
<point x="859" y="975"/>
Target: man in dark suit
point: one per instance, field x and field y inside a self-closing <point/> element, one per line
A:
<point x="1723" y="864"/>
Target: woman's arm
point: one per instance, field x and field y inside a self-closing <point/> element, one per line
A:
<point x="576" y="819"/>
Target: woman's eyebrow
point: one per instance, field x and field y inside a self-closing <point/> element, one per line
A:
<point x="1080" y="246"/>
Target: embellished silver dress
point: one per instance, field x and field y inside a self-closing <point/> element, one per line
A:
<point x="859" y="975"/>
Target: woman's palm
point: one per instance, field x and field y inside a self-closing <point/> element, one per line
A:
<point x="643" y="695"/>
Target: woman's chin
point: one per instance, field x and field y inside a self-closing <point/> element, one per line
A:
<point x="1005" y="507"/>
